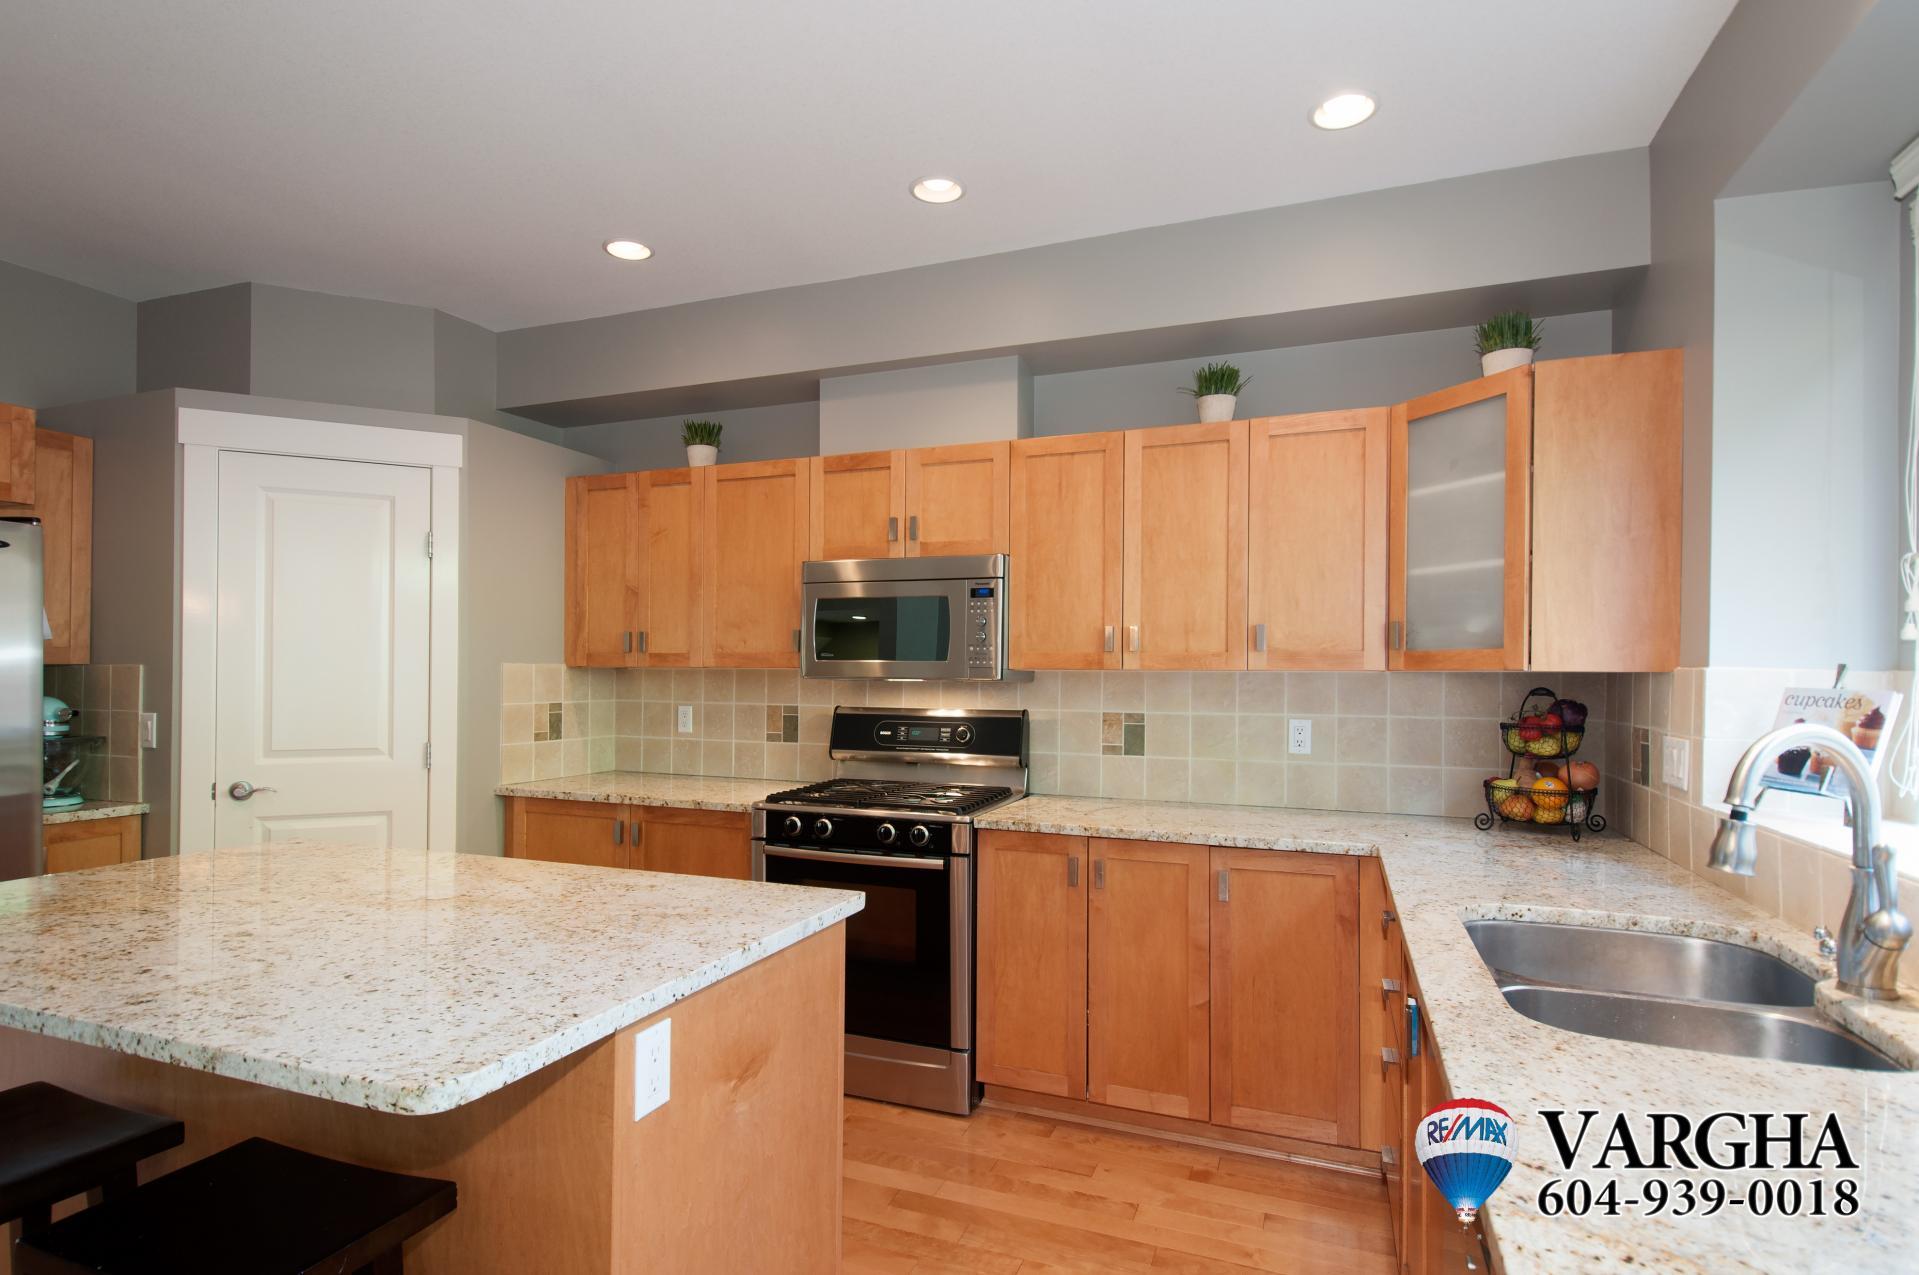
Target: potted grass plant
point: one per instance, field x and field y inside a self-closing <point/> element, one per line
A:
<point x="702" y="439"/>
<point x="1216" y="388"/>
<point x="1506" y="341"/>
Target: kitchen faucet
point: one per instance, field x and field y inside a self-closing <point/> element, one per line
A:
<point x="1875" y="931"/>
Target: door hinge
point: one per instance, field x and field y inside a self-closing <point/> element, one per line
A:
<point x="428" y="759"/>
<point x="429" y="544"/>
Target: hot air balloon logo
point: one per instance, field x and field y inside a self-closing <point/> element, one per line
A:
<point x="1466" y="1146"/>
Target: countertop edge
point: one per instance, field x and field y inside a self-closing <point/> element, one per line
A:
<point x="94" y="810"/>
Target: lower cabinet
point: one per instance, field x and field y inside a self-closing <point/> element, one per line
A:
<point x="708" y="843"/>
<point x="1179" y="980"/>
<point x="92" y="843"/>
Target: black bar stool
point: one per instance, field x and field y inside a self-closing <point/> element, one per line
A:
<point x="257" y="1208"/>
<point x="55" y="1145"/>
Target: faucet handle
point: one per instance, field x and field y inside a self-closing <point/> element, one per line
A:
<point x="1827" y="948"/>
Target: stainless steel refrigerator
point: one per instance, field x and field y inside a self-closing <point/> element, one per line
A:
<point x="22" y="621"/>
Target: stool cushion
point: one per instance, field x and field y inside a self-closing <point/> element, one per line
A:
<point x="55" y="1144"/>
<point x="257" y="1207"/>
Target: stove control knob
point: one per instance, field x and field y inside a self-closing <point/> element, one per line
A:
<point x="962" y="734"/>
<point x="822" y="828"/>
<point x="792" y="825"/>
<point x="887" y="834"/>
<point x="919" y="835"/>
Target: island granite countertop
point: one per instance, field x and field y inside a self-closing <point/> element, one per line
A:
<point x="404" y="981"/>
<point x="1443" y="872"/>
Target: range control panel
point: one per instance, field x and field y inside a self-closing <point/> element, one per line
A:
<point x="983" y="625"/>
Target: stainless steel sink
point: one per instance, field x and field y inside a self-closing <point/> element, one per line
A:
<point x="1663" y="989"/>
<point x="1784" y="1035"/>
<point x="1634" y="961"/>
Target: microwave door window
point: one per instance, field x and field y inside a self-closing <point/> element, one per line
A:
<point x="913" y="629"/>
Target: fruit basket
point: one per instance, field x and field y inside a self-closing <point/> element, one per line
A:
<point x="1544" y="726"/>
<point x="1543" y="803"/>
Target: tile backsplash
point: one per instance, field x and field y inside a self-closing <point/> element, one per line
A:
<point x="107" y="700"/>
<point x="1410" y="743"/>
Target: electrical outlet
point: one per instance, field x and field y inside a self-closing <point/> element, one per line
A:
<point x="149" y="730"/>
<point x="686" y="719"/>
<point x="1675" y="763"/>
<point x="652" y="1068"/>
<point x="1299" y="736"/>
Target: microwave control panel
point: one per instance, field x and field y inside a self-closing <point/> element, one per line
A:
<point x="983" y="626"/>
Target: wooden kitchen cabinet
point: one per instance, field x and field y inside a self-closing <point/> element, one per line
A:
<point x="63" y="502"/>
<point x="1285" y="1019"/>
<point x="1316" y="540"/>
<point x="602" y="834"/>
<point x="1185" y="573"/>
<point x="754" y="531"/>
<point x="92" y="843"/>
<point x="16" y="454"/>
<point x="1068" y="551"/>
<point x="1031" y="973"/>
<point x="1148" y="989"/>
<point x="604" y="569"/>
<point x="859" y="505"/>
<point x="956" y="499"/>
<point x="673" y="569"/>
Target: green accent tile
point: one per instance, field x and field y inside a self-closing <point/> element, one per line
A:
<point x="1135" y="739"/>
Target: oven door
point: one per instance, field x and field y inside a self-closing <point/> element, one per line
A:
<point x="885" y="628"/>
<point x="909" y="951"/>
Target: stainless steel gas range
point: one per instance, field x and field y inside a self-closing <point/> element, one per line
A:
<point x="896" y="822"/>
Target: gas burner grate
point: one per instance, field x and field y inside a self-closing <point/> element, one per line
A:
<point x="958" y="799"/>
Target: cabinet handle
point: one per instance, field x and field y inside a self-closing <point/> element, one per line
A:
<point x="1386" y="918"/>
<point x="913" y="527"/>
<point x="1388" y="986"/>
<point x="1132" y="637"/>
<point x="1389" y="1155"/>
<point x="1099" y="874"/>
<point x="1259" y="637"/>
<point x="1072" y="872"/>
<point x="619" y="832"/>
<point x="1224" y="889"/>
<point x="892" y="529"/>
<point x="1388" y="1057"/>
<point x="626" y="642"/>
<point x="1109" y="638"/>
<point x="642" y="636"/>
<point x="1412" y="1027"/>
<point x="1396" y="635"/>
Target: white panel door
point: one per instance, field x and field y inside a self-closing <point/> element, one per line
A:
<point x="323" y="630"/>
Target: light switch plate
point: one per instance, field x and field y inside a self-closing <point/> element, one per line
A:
<point x="1675" y="764"/>
<point x="1299" y="736"/>
<point x="686" y="719"/>
<point x="652" y="1068"/>
<point x="149" y="730"/>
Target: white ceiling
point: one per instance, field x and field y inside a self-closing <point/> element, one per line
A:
<point x="473" y="154"/>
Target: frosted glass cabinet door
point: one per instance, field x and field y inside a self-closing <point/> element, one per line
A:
<point x="1460" y="505"/>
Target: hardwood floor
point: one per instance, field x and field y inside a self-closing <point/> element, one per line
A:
<point x="1021" y="1195"/>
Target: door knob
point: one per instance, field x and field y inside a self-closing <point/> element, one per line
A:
<point x="240" y="790"/>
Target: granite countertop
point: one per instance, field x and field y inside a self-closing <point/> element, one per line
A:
<point x="639" y="788"/>
<point x="1443" y="872"/>
<point x="405" y="981"/>
<point x="89" y="810"/>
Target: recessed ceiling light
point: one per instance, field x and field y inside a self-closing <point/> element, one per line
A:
<point x="937" y="190"/>
<point x="627" y="249"/>
<point x="1345" y="110"/>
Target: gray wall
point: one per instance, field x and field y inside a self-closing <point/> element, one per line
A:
<point x="198" y="340"/>
<point x="1806" y="429"/>
<point x="1766" y="52"/>
<point x="1309" y="378"/>
<point x="465" y="368"/>
<point x="1581" y="215"/>
<point x="328" y="349"/>
<point x="983" y="400"/>
<point x="61" y="342"/>
<point x="752" y="433"/>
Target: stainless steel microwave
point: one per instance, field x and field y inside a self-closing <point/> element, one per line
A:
<point x="906" y="619"/>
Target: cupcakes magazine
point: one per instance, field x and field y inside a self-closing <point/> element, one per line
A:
<point x="1864" y="717"/>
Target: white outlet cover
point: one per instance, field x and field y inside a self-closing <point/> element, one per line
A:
<point x="686" y="719"/>
<point x="149" y="730"/>
<point x="652" y="1068"/>
<point x="1675" y="762"/>
<point x="1299" y="736"/>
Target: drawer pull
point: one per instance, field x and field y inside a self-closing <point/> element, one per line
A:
<point x="1072" y="872"/>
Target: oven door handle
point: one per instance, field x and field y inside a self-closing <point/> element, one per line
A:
<point x="858" y="860"/>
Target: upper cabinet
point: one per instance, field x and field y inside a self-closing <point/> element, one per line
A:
<point x="1185" y="576"/>
<point x="859" y="505"/>
<point x="63" y="502"/>
<point x="753" y="521"/>
<point x="603" y="569"/>
<point x="1316" y="540"/>
<point x="672" y="568"/>
<point x="956" y="499"/>
<point x="1460" y="510"/>
<point x="16" y="455"/>
<point x="1068" y="551"/>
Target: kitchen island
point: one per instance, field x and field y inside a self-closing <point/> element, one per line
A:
<point x="465" y="1017"/>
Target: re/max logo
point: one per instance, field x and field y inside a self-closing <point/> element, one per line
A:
<point x="1485" y="1128"/>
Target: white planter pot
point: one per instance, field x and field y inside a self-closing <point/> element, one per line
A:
<point x="1217" y="407"/>
<point x="698" y="454"/>
<point x="1503" y="361"/>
